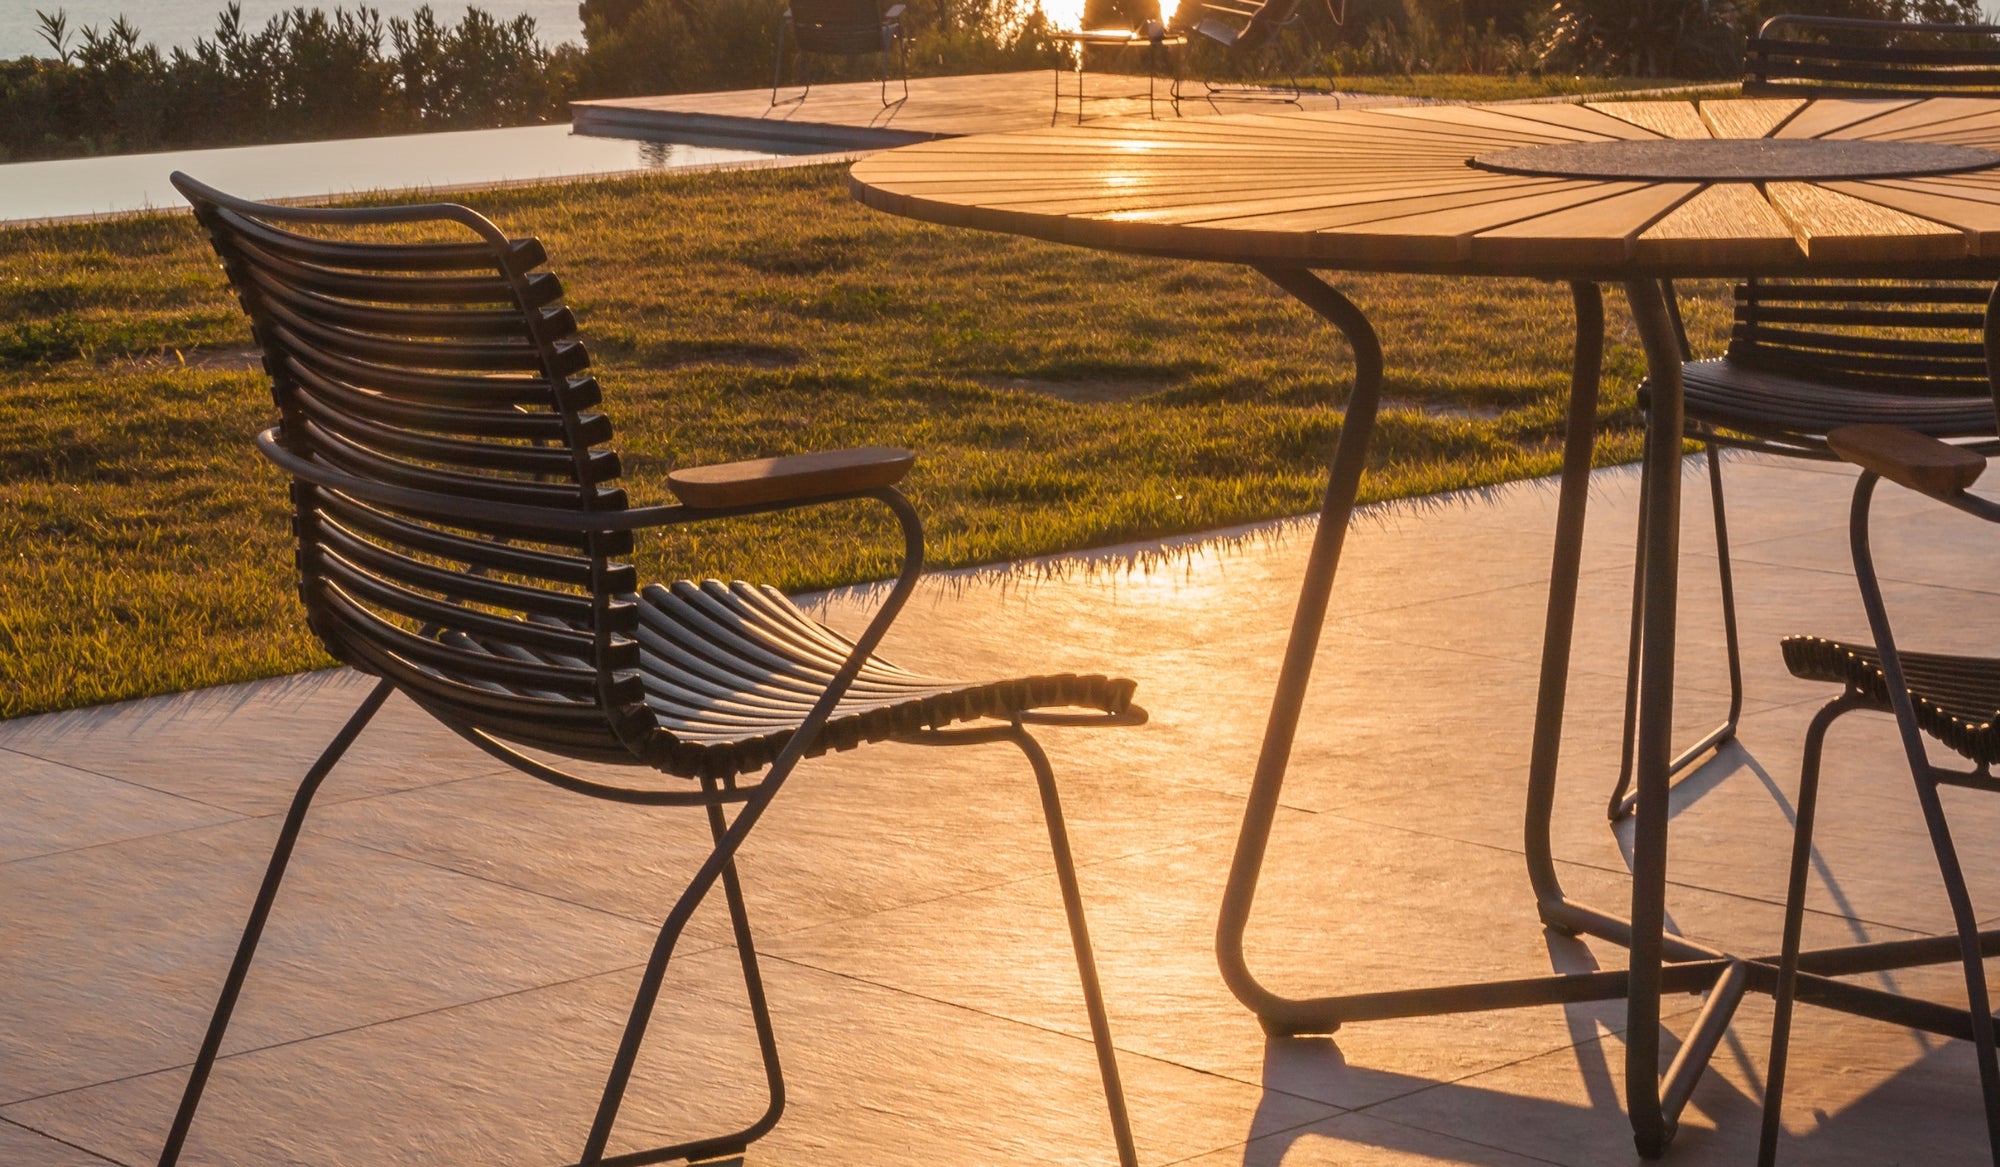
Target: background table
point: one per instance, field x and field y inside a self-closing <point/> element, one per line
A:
<point x="1626" y="191"/>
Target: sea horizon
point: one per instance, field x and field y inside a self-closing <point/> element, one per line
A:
<point x="174" y="24"/>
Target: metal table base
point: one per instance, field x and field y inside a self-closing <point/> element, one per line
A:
<point x="1659" y="963"/>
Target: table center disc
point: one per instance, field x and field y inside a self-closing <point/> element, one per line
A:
<point x="1736" y="160"/>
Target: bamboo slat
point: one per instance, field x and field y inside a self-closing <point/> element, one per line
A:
<point x="1834" y="227"/>
<point x="1752" y="117"/>
<point x="1669" y="119"/>
<point x="1723" y="221"/>
<point x="1581" y="117"/>
<point x="1979" y="219"/>
<point x="1392" y="188"/>
<point x="1461" y="120"/>
<point x="1597" y="232"/>
<point x="1919" y="119"/>
<point x="1327" y="218"/>
<point x="1830" y="114"/>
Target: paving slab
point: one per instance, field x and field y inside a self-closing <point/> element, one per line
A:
<point x="244" y="747"/>
<point x="450" y="963"/>
<point x="21" y="1147"/>
<point x="872" y="1076"/>
<point x="46" y="807"/>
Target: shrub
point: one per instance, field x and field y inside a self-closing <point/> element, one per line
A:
<point x="306" y="74"/>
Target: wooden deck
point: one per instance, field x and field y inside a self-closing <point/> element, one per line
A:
<point x="851" y="115"/>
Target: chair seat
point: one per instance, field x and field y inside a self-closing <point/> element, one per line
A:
<point x="731" y="670"/>
<point x="1957" y="697"/>
<point x="1734" y="396"/>
<point x="1220" y="33"/>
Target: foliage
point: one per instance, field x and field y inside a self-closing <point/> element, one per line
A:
<point x="306" y="74"/>
<point x="685" y="46"/>
<point x="1058" y="398"/>
<point x="1638" y="38"/>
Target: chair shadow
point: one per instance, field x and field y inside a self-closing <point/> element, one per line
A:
<point x="1316" y="1068"/>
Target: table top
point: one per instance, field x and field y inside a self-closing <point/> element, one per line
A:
<point x="1610" y="189"/>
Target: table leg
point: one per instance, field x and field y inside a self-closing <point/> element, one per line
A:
<point x="1659" y="963"/>
<point x="1661" y="471"/>
<point x="1286" y="1015"/>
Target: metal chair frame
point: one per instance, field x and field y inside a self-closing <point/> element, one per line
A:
<point x="1252" y="26"/>
<point x="1827" y="332"/>
<point x="1159" y="45"/>
<point x="842" y="39"/>
<point x="1976" y="1022"/>
<point x="597" y="522"/>
<point x="1775" y="65"/>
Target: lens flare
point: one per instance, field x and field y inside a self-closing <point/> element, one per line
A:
<point x="1063" y="15"/>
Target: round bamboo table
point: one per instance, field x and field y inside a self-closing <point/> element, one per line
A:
<point x="1635" y="192"/>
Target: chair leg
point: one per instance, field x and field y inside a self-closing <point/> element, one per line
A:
<point x="778" y="69"/>
<point x="1620" y="803"/>
<point x="1978" y="1001"/>
<point x="1727" y="578"/>
<point x="1079" y="933"/>
<point x="721" y="864"/>
<point x="1795" y="908"/>
<point x="260" y="911"/>
<point x="1628" y="749"/>
<point x="753" y="984"/>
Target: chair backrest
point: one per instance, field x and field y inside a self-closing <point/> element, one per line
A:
<point x="1895" y="337"/>
<point x="451" y="372"/>
<point x="1271" y="18"/>
<point x="1882" y="336"/>
<point x="1819" y="56"/>
<point x="837" y="27"/>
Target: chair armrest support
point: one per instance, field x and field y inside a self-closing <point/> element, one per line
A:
<point x="793" y="478"/>
<point x="1909" y="459"/>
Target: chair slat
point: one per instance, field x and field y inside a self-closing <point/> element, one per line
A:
<point x="600" y="465"/>
<point x="518" y="256"/>
<point x="499" y="421"/>
<point x="570" y="570"/>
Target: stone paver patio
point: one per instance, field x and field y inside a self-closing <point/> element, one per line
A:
<point x="453" y="954"/>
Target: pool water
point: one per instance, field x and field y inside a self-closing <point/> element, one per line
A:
<point x="131" y="182"/>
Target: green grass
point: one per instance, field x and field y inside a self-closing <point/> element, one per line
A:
<point x="1058" y="398"/>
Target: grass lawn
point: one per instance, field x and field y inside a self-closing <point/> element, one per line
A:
<point x="1058" y="398"/>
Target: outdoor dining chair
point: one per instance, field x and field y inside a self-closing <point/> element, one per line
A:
<point x="461" y="535"/>
<point x="1806" y="357"/>
<point x="1241" y="36"/>
<point x="842" y="28"/>
<point x="1951" y="700"/>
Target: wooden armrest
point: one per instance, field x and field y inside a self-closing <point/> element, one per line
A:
<point x="1907" y="458"/>
<point x="794" y="478"/>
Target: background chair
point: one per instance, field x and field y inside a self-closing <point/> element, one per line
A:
<point x="1806" y="357"/>
<point x="1153" y="38"/>
<point x="1844" y="56"/>
<point x="1952" y="700"/>
<point x="1243" y="36"/>
<point x="461" y="535"/>
<point x="842" y="28"/>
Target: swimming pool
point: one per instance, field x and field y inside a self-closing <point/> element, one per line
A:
<point x="131" y="182"/>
